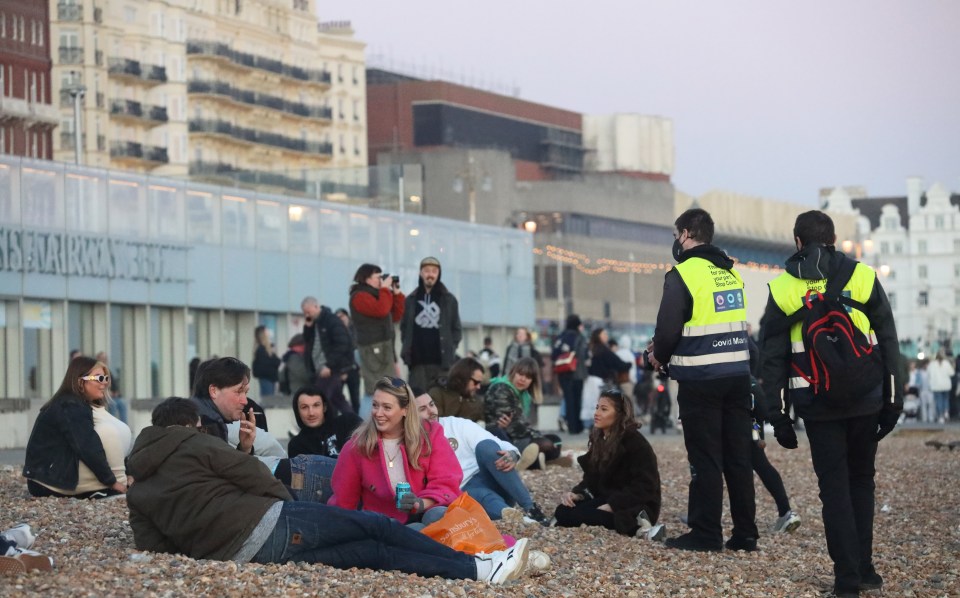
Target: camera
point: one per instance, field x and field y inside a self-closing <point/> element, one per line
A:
<point x="384" y="275"/>
<point x="396" y="281"/>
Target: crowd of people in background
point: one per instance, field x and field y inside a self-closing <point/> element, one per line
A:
<point x="370" y="465"/>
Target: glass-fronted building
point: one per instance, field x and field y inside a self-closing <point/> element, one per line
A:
<point x="156" y="271"/>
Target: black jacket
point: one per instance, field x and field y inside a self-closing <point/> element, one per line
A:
<point x="630" y="483"/>
<point x="334" y="339"/>
<point x="450" y="330"/>
<point x="775" y="350"/>
<point x="606" y="365"/>
<point x="265" y="365"/>
<point x="326" y="440"/>
<point x="62" y="436"/>
<point x="676" y="307"/>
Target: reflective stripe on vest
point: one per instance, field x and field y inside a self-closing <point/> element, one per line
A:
<point x="789" y="292"/>
<point x="713" y="343"/>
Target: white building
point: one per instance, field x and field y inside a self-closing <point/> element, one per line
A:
<point x="914" y="243"/>
<point x="629" y="143"/>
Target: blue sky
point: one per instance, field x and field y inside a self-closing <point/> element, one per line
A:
<point x="768" y="98"/>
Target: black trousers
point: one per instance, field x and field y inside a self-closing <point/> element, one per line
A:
<point x="585" y="511"/>
<point x="770" y="477"/>
<point x="716" y="431"/>
<point x="844" y="455"/>
<point x="572" y="389"/>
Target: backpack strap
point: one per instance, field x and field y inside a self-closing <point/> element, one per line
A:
<point x="840" y="279"/>
<point x="834" y="291"/>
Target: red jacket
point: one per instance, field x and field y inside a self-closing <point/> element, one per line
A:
<point x="357" y="478"/>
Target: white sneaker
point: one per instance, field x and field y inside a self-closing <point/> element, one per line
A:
<point x="644" y="522"/>
<point x="508" y="564"/>
<point x="787" y="524"/>
<point x="538" y="562"/>
<point x="657" y="533"/>
<point x="21" y="535"/>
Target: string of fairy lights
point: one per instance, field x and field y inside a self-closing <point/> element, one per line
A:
<point x="596" y="266"/>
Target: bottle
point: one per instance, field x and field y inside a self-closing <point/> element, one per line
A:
<point x="756" y="432"/>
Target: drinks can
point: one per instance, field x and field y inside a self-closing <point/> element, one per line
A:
<point x="402" y="488"/>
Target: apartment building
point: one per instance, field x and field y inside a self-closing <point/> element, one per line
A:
<point x="913" y="241"/>
<point x="234" y="92"/>
<point x="26" y="117"/>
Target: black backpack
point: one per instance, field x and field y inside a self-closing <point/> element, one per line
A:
<point x="844" y="365"/>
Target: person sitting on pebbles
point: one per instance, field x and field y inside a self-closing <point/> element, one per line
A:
<point x="488" y="463"/>
<point x="195" y="495"/>
<point x="621" y="481"/>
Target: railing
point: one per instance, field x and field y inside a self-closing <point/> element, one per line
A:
<point x="259" y="99"/>
<point x="69" y="11"/>
<point x="133" y="68"/>
<point x="138" y="110"/>
<point x="262" y="137"/>
<point x="71" y="55"/>
<point x="258" y="62"/>
<point x="235" y="175"/>
<point x="130" y="149"/>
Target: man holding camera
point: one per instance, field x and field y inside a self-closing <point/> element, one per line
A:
<point x="430" y="328"/>
<point x="376" y="304"/>
<point x="328" y="350"/>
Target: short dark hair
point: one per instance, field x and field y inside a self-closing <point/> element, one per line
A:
<point x="314" y="391"/>
<point x="175" y="411"/>
<point x="698" y="224"/>
<point x="221" y="372"/>
<point x="814" y="227"/>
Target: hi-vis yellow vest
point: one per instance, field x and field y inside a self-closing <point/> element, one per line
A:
<point x="713" y="343"/>
<point x="789" y="292"/>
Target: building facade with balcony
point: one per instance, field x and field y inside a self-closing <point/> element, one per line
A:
<point x="224" y="92"/>
<point x="27" y="118"/>
<point x="913" y="242"/>
<point x="343" y="56"/>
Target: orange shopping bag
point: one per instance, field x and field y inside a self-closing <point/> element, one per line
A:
<point x="466" y="527"/>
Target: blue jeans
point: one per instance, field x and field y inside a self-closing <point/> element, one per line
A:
<point x="942" y="398"/>
<point x="310" y="477"/>
<point x="314" y="533"/>
<point x="268" y="388"/>
<point x="495" y="489"/>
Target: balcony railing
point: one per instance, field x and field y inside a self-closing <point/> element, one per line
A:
<point x="71" y="55"/>
<point x="221" y="127"/>
<point x="133" y="109"/>
<point x="130" y="149"/>
<point x="67" y="11"/>
<point x="201" y="169"/>
<point x="205" y="48"/>
<point x="259" y="99"/>
<point x="124" y="67"/>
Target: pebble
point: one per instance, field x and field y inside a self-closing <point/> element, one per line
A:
<point x="915" y="548"/>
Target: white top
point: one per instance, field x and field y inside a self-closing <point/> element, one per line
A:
<point x="464" y="435"/>
<point x="941" y="374"/>
<point x="117" y="441"/>
<point x="265" y="446"/>
<point x="396" y="472"/>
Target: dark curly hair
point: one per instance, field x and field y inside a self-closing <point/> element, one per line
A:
<point x="602" y="446"/>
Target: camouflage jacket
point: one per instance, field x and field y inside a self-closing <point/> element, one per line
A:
<point x="503" y="398"/>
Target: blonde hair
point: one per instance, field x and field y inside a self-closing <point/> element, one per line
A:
<point x="413" y="435"/>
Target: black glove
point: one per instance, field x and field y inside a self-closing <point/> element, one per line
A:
<point x="411" y="503"/>
<point x="887" y="421"/>
<point x="785" y="434"/>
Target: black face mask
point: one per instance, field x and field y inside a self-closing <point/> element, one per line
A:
<point x="677" y="249"/>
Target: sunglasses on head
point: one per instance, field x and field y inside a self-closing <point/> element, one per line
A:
<point x="98" y="378"/>
<point x="397" y="383"/>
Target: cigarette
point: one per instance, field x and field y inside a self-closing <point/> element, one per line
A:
<point x="256" y="412"/>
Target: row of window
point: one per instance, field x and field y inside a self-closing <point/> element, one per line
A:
<point x="939" y="222"/>
<point x="15" y="26"/>
<point x="923" y="299"/>
<point x="34" y="83"/>
<point x="37" y="146"/>
<point x="922" y="247"/>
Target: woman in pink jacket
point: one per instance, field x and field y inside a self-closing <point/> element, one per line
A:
<point x="390" y="448"/>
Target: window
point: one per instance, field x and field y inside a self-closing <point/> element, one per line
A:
<point x="956" y="246"/>
<point x="938" y="222"/>
<point x="892" y="298"/>
<point x="3" y="25"/>
<point x="884" y="247"/>
<point x="898" y="248"/>
<point x="956" y="270"/>
<point x="956" y="298"/>
<point x="922" y="271"/>
<point x="921" y="246"/>
<point x="922" y="299"/>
